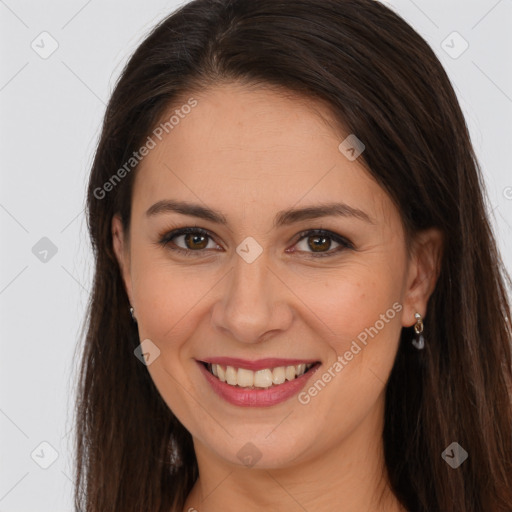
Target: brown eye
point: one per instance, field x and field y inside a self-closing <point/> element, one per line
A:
<point x="195" y="240"/>
<point x="318" y="242"/>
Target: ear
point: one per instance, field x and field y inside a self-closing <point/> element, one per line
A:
<point x="423" y="272"/>
<point x="122" y="252"/>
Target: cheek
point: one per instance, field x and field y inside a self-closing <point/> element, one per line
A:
<point x="360" y="309"/>
<point x="352" y="299"/>
<point x="363" y="312"/>
<point x="168" y="298"/>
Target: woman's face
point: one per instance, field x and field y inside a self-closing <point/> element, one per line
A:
<point x="261" y="292"/>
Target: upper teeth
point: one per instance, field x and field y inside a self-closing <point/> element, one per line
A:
<point x="260" y="378"/>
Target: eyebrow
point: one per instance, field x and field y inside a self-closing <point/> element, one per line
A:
<point x="282" y="218"/>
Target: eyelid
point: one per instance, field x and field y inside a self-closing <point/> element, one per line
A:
<point x="168" y="235"/>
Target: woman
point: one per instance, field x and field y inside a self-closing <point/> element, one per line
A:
<point x="286" y="200"/>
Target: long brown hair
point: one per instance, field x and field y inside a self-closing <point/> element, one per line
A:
<point x="383" y="82"/>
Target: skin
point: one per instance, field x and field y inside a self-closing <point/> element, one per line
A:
<point x="251" y="152"/>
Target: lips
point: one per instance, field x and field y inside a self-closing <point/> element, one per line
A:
<point x="257" y="383"/>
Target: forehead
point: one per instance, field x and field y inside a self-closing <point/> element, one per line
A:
<point x="234" y="121"/>
<point x="240" y="145"/>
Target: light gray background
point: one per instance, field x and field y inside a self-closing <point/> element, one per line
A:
<point x="51" y="112"/>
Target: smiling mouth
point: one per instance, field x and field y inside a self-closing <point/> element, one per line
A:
<point x="259" y="379"/>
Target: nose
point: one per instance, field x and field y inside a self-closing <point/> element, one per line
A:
<point x="254" y="304"/>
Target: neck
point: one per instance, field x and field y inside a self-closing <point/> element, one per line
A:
<point x="349" y="477"/>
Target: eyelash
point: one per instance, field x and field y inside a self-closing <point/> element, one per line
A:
<point x="168" y="236"/>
